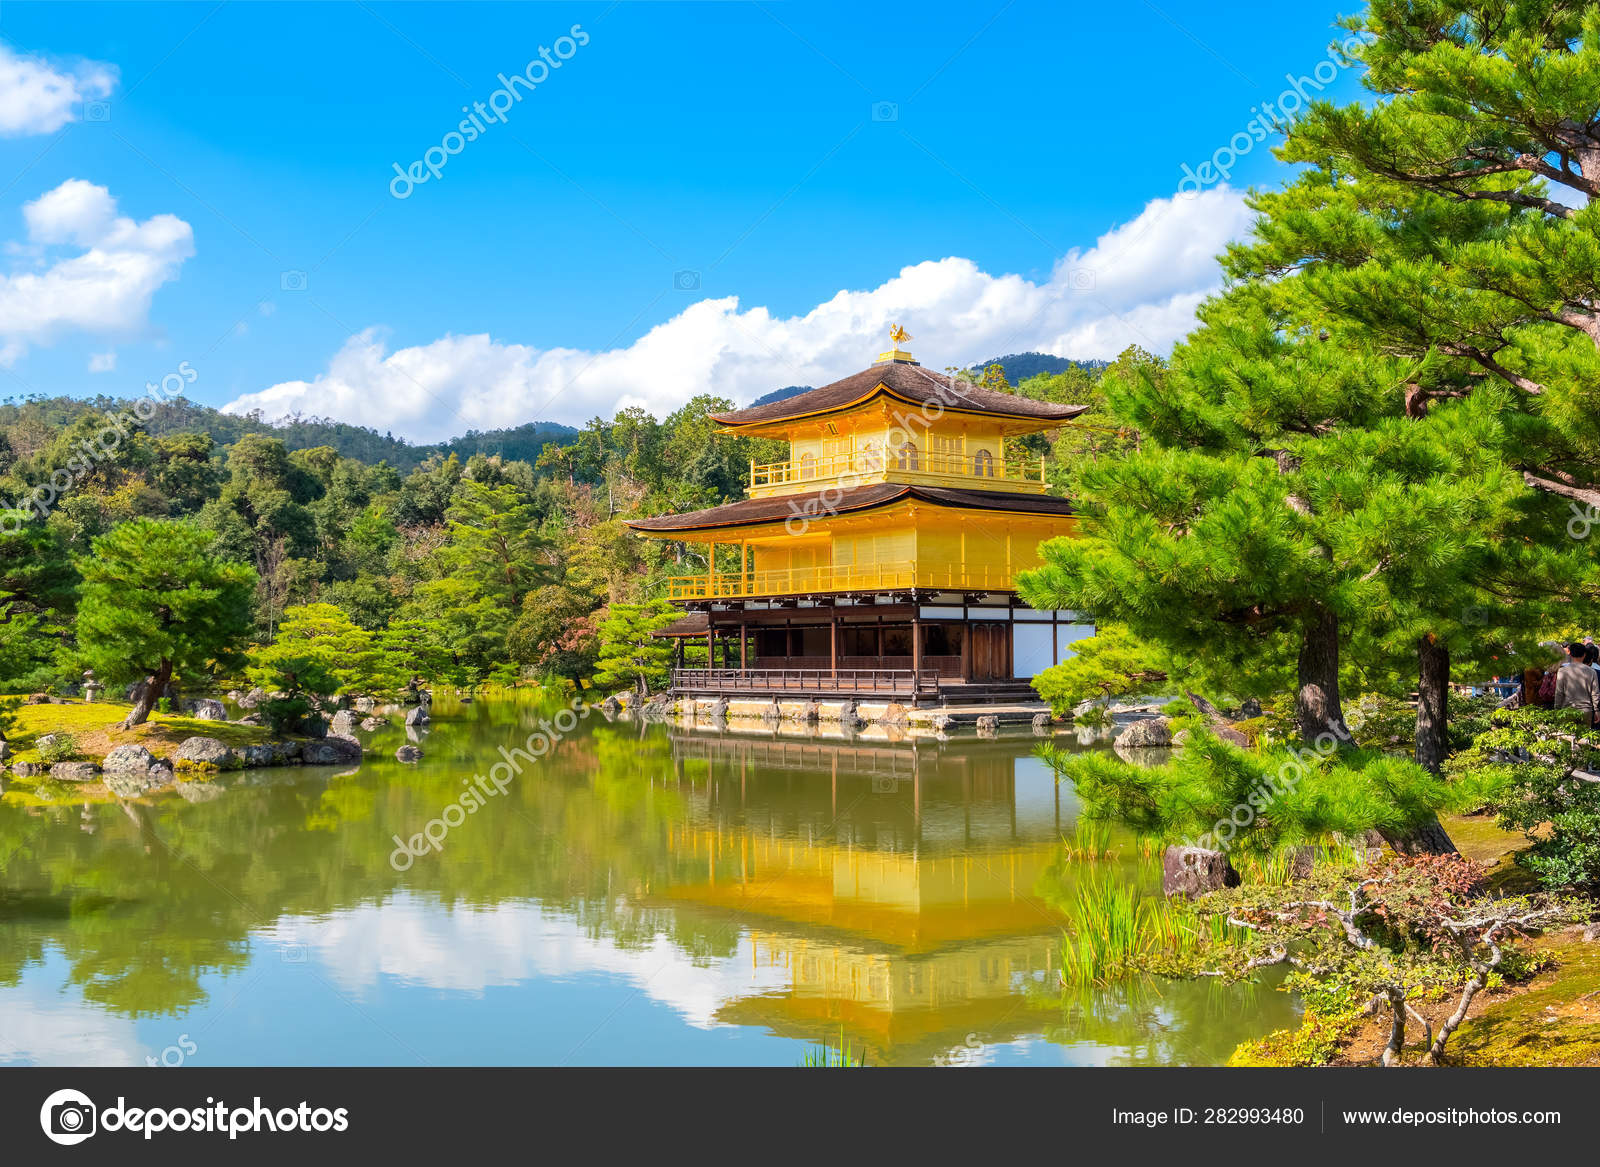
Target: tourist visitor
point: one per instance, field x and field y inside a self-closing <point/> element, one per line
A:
<point x="1577" y="685"/>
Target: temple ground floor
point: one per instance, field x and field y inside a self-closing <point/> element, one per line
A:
<point x="917" y="647"/>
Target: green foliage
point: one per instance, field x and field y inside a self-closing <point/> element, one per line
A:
<point x="1259" y="801"/>
<point x="1398" y="932"/>
<point x="1540" y="771"/>
<point x="61" y="747"/>
<point x="154" y="595"/>
<point x="629" y="652"/>
<point x="1111" y="663"/>
<point x="320" y="651"/>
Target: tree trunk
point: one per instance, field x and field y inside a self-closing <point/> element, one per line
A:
<point x="1433" y="686"/>
<point x="1316" y="706"/>
<point x="154" y="686"/>
<point x="1428" y="839"/>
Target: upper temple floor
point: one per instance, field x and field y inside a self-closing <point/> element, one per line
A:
<point x="897" y="422"/>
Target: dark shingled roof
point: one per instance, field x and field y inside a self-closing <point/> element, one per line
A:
<point x="694" y="624"/>
<point x="907" y="380"/>
<point x="854" y="498"/>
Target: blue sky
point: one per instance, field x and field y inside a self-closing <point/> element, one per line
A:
<point x="723" y="197"/>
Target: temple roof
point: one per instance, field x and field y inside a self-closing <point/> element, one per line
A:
<point x="851" y="499"/>
<point x="910" y="381"/>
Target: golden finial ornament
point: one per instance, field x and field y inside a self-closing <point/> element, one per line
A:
<point x="897" y="337"/>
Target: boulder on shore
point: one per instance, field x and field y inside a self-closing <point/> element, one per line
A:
<point x="988" y="725"/>
<point x="1146" y="733"/>
<point x="333" y="750"/>
<point x="1041" y="724"/>
<point x="133" y="759"/>
<point x="204" y="753"/>
<point x="1194" y="871"/>
<point x="253" y="698"/>
<point x="74" y="772"/>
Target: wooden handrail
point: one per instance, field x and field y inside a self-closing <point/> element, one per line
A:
<point x="980" y="465"/>
<point x="846" y="577"/>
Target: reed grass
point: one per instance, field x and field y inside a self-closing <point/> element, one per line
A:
<point x="1115" y="928"/>
<point x="825" y="1057"/>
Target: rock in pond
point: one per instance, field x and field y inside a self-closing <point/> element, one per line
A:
<point x="988" y="725"/>
<point x="1145" y="733"/>
<point x="204" y="753"/>
<point x="1194" y="871"/>
<point x="343" y="723"/>
<point x="408" y="754"/>
<point x="74" y="772"/>
<point x="128" y="759"/>
<point x="253" y="698"/>
<point x="333" y="750"/>
<point x="418" y="716"/>
<point x="256" y="756"/>
<point x="207" y="709"/>
<point x="1041" y="723"/>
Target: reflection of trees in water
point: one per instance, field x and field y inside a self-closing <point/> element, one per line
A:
<point x="1151" y="1021"/>
<point x="158" y="896"/>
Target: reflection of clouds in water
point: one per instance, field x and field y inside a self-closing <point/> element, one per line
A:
<point x="470" y="949"/>
<point x="43" y="1027"/>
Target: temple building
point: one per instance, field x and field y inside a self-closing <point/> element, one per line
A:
<point x="880" y="557"/>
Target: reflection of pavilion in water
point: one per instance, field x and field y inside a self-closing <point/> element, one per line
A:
<point x="895" y="885"/>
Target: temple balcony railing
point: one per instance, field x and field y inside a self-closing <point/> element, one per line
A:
<point x="979" y="471"/>
<point x="843" y="577"/>
<point x="861" y="682"/>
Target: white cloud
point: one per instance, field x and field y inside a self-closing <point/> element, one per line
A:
<point x="471" y="950"/>
<point x="1139" y="284"/>
<point x="103" y="362"/>
<point x="105" y="288"/>
<point x="38" y="97"/>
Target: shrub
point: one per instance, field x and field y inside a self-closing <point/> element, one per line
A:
<point x="62" y="747"/>
<point x="1531" y="765"/>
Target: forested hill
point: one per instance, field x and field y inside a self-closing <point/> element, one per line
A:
<point x="1018" y="367"/>
<point x="297" y="433"/>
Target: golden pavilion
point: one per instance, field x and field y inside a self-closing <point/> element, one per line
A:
<point x="880" y="557"/>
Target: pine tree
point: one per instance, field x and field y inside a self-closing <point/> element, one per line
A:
<point x="630" y="653"/>
<point x="156" y="601"/>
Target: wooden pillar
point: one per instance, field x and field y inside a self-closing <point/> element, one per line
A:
<point x="833" y="645"/>
<point x="742" y="638"/>
<point x="966" y="645"/>
<point x="916" y="652"/>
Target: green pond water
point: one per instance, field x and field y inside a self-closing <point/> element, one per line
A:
<point x="633" y="896"/>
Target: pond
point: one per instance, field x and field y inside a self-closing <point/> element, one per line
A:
<point x="634" y="895"/>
